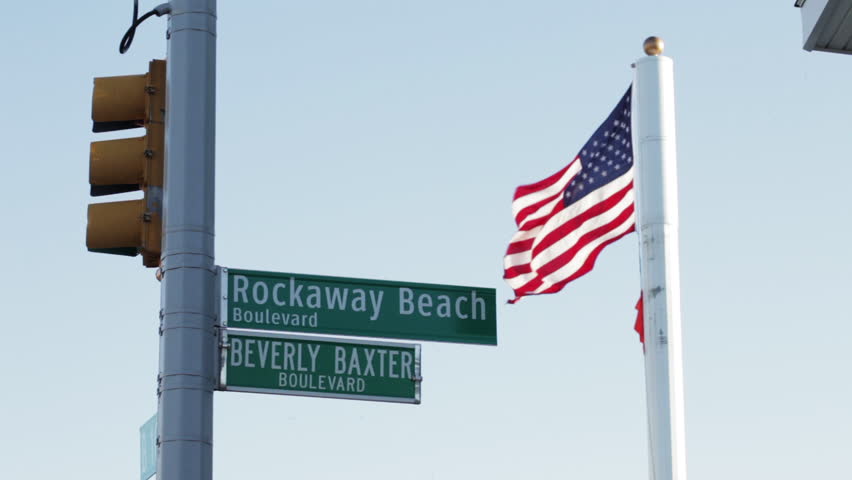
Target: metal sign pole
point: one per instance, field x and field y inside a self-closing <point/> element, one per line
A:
<point x="188" y="341"/>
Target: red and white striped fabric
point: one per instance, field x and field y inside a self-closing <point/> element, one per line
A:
<point x="565" y="220"/>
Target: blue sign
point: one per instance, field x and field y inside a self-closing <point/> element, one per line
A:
<point x="148" y="448"/>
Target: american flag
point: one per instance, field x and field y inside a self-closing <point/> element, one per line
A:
<point x="565" y="220"/>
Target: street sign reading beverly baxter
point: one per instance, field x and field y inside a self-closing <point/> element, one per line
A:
<point x="311" y="366"/>
<point x="289" y="302"/>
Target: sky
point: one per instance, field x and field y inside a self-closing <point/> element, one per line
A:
<point x="384" y="140"/>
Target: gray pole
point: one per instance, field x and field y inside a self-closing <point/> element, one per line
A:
<point x="657" y="225"/>
<point x="188" y="345"/>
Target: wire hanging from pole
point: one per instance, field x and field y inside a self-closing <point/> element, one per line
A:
<point x="127" y="39"/>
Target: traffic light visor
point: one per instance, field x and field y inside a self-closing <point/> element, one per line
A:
<point x="116" y="227"/>
<point x="118" y="103"/>
<point x="117" y="166"/>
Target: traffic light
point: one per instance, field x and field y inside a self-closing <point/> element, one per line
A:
<point x="128" y="164"/>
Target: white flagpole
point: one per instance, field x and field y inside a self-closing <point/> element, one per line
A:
<point x="657" y="223"/>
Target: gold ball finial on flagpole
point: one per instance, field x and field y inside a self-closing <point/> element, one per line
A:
<point x="653" y="46"/>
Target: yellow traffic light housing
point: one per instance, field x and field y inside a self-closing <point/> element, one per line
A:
<point x="128" y="164"/>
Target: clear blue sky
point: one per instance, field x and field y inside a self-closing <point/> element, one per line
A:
<point x="384" y="139"/>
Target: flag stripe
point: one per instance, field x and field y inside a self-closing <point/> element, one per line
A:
<point x="565" y="265"/>
<point x="532" y="201"/>
<point x="587" y="253"/>
<point x="562" y="231"/>
<point x="565" y="220"/>
<point x="534" y="223"/>
<point x="586" y="267"/>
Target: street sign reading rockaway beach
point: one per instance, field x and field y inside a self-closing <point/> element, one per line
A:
<point x="310" y="366"/>
<point x="288" y="302"/>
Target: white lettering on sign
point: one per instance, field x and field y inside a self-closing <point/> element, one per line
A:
<point x="275" y="295"/>
<point x="236" y="350"/>
<point x="295" y="294"/>
<point x="274" y="363"/>
<point x="373" y="362"/>
<point x="261" y="301"/>
<point x="466" y="306"/>
<point x="263" y="347"/>
<point x="424" y="305"/>
<point x="260" y="293"/>
<point x="382" y="353"/>
<point x="406" y="301"/>
<point x="313" y="300"/>
<point x="478" y="306"/>
<point x="240" y="287"/>
<point x="275" y="354"/>
<point x="289" y="354"/>
<point x="238" y="315"/>
<point x="376" y="303"/>
<point x="249" y="344"/>
<point x="327" y="383"/>
<point x="392" y="364"/>
<point x="443" y="306"/>
<point x="458" y="308"/>
<point x="406" y="361"/>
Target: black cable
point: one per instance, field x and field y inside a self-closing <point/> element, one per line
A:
<point x="127" y="39"/>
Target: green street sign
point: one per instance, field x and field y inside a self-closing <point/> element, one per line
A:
<point x="287" y="364"/>
<point x="289" y="302"/>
